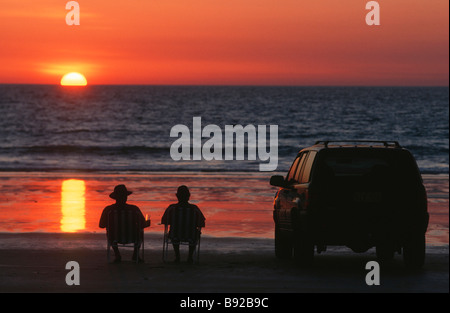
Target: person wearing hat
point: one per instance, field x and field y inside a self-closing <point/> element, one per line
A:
<point x="120" y="194"/>
<point x="181" y="214"/>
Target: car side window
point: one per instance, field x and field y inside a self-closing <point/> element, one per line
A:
<point x="307" y="168"/>
<point x="300" y="166"/>
<point x="291" y="173"/>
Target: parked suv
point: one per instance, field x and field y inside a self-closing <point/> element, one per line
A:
<point x="359" y="194"/>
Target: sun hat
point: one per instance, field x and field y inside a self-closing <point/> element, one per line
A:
<point x="120" y="190"/>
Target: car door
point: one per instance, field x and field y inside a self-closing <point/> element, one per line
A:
<point x="301" y="188"/>
<point x="287" y="195"/>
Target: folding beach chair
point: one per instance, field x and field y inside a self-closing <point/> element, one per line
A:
<point x="125" y="230"/>
<point x="183" y="230"/>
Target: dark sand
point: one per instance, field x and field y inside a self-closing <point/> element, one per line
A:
<point x="36" y="263"/>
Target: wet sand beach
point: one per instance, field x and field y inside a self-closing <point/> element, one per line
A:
<point x="236" y="204"/>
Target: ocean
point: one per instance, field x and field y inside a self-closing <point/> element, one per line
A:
<point x="127" y="128"/>
<point x="100" y="136"/>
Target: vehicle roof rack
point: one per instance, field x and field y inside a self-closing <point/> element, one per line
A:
<point x="386" y="144"/>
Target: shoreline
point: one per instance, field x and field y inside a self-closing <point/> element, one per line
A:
<point x="97" y="241"/>
<point x="153" y="241"/>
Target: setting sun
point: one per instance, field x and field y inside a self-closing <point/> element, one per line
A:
<point x="73" y="79"/>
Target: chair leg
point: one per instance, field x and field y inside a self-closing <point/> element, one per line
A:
<point x="176" y="249"/>
<point x="141" y="252"/>
<point x="143" y="245"/>
<point x="138" y="252"/>
<point x="198" y="252"/>
<point x="198" y="249"/>
<point x="165" y="246"/>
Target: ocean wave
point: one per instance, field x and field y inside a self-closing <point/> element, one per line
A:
<point x="44" y="128"/>
<point x="77" y="149"/>
<point x="155" y="165"/>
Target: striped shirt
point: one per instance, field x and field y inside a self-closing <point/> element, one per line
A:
<point x="123" y="222"/>
<point x="184" y="219"/>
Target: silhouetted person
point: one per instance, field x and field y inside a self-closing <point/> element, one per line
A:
<point x="185" y="220"/>
<point x="121" y="194"/>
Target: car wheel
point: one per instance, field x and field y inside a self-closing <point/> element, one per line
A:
<point x="283" y="245"/>
<point x="414" y="251"/>
<point x="303" y="249"/>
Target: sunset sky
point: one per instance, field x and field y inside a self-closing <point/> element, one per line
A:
<point x="231" y="42"/>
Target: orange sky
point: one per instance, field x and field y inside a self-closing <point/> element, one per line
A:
<point x="256" y="42"/>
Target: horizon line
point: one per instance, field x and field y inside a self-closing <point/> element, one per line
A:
<point x="236" y="85"/>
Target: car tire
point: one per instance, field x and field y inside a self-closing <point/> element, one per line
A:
<point x="303" y="249"/>
<point x="283" y="245"/>
<point x="414" y="251"/>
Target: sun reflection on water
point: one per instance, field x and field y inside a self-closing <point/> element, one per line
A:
<point x="73" y="205"/>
